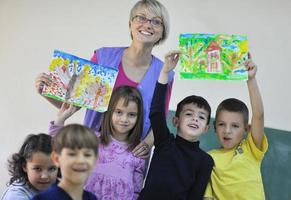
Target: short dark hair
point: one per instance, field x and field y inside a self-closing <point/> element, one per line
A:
<point x="234" y="105"/>
<point x="196" y="100"/>
<point x="32" y="144"/>
<point x="75" y="136"/>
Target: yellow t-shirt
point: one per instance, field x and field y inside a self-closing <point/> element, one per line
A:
<point x="237" y="172"/>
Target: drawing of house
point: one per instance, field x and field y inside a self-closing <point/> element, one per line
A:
<point x="213" y="58"/>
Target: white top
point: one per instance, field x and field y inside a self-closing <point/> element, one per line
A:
<point x="18" y="190"/>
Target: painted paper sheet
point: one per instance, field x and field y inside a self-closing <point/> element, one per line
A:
<point x="213" y="56"/>
<point x="80" y="82"/>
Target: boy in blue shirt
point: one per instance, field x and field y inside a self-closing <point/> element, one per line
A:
<point x="75" y="150"/>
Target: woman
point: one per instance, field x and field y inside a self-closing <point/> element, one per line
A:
<point x="149" y="26"/>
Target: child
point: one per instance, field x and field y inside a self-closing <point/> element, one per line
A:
<point x="74" y="152"/>
<point x="179" y="168"/>
<point x="236" y="174"/>
<point x="32" y="169"/>
<point x="118" y="173"/>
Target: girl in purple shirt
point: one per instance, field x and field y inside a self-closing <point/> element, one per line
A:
<point x="118" y="173"/>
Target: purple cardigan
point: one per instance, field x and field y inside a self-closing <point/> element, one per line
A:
<point x="111" y="56"/>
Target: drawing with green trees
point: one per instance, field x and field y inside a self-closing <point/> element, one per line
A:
<point x="213" y="56"/>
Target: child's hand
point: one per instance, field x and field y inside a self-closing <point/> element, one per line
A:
<point x="251" y="67"/>
<point x="171" y="60"/>
<point x="66" y="111"/>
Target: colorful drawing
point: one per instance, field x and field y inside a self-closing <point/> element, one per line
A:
<point x="213" y="56"/>
<point x="80" y="82"/>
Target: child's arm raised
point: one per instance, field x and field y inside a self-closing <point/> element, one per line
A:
<point x="63" y="114"/>
<point x="157" y="113"/>
<point x="171" y="60"/>
<point x="257" y="121"/>
<point x="66" y="111"/>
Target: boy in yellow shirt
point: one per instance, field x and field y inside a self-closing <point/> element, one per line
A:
<point x="236" y="173"/>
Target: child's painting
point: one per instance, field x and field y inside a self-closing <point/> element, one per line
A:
<point x="213" y="56"/>
<point x="80" y="82"/>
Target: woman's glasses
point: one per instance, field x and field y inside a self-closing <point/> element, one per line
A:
<point x="142" y="19"/>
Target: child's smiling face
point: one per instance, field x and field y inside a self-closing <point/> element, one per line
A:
<point x="192" y="122"/>
<point x="41" y="171"/>
<point x="75" y="164"/>
<point x="124" y="118"/>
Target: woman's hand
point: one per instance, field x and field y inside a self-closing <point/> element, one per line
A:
<point x="41" y="80"/>
<point x="142" y="150"/>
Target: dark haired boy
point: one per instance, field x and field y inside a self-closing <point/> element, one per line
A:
<point x="179" y="169"/>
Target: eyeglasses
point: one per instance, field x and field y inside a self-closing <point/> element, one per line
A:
<point x="142" y="19"/>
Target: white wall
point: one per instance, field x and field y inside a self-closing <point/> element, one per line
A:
<point x="31" y="29"/>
